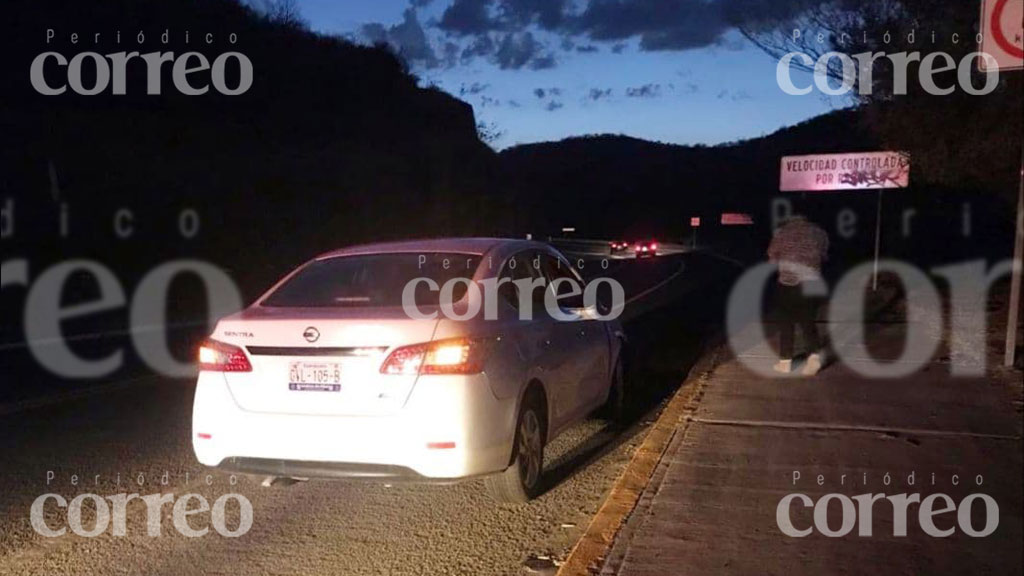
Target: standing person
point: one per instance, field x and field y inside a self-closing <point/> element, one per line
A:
<point x="799" y="247"/>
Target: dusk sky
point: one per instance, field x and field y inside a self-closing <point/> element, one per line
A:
<point x="538" y="70"/>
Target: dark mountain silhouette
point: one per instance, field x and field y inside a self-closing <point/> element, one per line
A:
<point x="654" y="188"/>
<point x="616" y="186"/>
<point x="333" y="143"/>
<point x="336" y="144"/>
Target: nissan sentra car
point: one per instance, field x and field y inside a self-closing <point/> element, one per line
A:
<point x="331" y="374"/>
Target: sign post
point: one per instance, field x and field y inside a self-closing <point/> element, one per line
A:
<point x="1015" y="282"/>
<point x="1002" y="29"/>
<point x="878" y="241"/>
<point x="858" y="171"/>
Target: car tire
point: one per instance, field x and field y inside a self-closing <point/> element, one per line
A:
<point x="521" y="482"/>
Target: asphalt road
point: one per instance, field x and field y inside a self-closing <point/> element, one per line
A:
<point x="136" y="440"/>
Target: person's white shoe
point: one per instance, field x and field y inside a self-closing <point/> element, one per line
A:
<point x="783" y="366"/>
<point x="813" y="365"/>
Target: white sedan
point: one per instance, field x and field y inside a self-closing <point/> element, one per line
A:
<point x="328" y="375"/>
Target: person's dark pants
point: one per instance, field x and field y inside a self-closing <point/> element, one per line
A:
<point x="795" y="309"/>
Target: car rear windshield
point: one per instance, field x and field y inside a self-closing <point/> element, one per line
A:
<point x="372" y="281"/>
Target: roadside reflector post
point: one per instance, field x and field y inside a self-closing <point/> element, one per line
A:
<point x="1015" y="283"/>
<point x="878" y="240"/>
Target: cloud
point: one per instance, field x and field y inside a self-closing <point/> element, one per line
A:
<point x="548" y="14"/>
<point x="554" y="105"/>
<point x="473" y="89"/>
<point x="518" y="34"/>
<point x="734" y="96"/>
<point x="660" y="24"/>
<point x="482" y="46"/>
<point x="674" y="24"/>
<point x="645" y="91"/>
<point x="596" y="94"/>
<point x="516" y="51"/>
<point x="451" y="53"/>
<point x="543" y="62"/>
<point x="407" y="38"/>
<point x="465" y="17"/>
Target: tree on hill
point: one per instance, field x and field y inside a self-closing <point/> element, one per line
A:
<point x="958" y="140"/>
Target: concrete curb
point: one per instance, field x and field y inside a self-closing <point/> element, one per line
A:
<point x="596" y="542"/>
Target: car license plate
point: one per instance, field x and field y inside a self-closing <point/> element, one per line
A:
<point x="320" y="377"/>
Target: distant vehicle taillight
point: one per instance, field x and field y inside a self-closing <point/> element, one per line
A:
<point x="220" y="357"/>
<point x="457" y="356"/>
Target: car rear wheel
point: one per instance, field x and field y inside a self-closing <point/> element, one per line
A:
<point x="521" y="482"/>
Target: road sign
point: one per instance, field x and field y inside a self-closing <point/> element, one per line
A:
<point x="1003" y="33"/>
<point x="857" y="171"/>
<point x="695" y="222"/>
<point x="737" y="219"/>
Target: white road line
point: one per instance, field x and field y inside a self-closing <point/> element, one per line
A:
<point x="98" y="335"/>
<point x="89" y="391"/>
<point x="658" y="286"/>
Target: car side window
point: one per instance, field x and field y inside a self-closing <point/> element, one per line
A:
<point x="518" y="267"/>
<point x="557" y="269"/>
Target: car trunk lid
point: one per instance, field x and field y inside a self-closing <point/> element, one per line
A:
<point x="321" y="361"/>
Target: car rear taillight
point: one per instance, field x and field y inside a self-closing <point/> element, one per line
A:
<point x="654" y="246"/>
<point x="456" y="356"/>
<point x="220" y="357"/>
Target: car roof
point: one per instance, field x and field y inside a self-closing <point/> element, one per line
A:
<point x="471" y="246"/>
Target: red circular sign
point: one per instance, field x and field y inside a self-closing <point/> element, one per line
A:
<point x="998" y="33"/>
